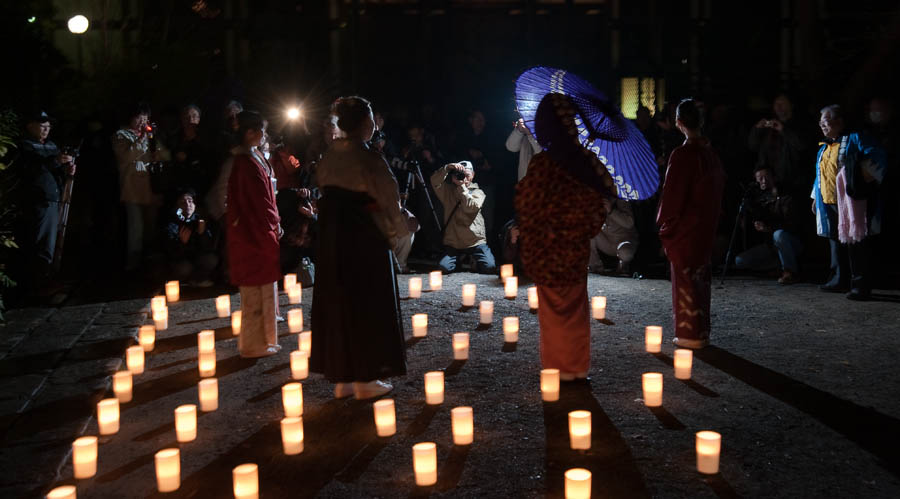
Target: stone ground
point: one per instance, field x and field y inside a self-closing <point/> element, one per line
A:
<point x="802" y="385"/>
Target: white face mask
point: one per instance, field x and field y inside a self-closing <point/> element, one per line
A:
<point x="876" y="117"/>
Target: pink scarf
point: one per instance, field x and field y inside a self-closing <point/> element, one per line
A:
<point x="852" y="227"/>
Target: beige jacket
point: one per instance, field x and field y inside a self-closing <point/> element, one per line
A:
<point x="466" y="228"/>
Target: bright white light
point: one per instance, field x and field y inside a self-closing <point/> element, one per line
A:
<point x="78" y="24"/>
<point x="293" y="113"/>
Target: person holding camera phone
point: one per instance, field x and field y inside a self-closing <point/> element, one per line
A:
<point x="189" y="243"/>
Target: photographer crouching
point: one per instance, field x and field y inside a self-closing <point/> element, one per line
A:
<point x="189" y="243"/>
<point x="464" y="231"/>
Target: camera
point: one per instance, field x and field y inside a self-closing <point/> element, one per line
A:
<point x="457" y="175"/>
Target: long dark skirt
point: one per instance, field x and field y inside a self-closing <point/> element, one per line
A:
<point x="357" y="333"/>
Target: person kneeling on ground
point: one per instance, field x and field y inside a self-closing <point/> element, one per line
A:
<point x="618" y="238"/>
<point x="464" y="230"/>
<point x="189" y="243"/>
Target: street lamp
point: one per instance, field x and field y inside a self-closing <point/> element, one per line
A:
<point x="78" y="24"/>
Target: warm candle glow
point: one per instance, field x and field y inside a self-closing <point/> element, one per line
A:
<point x="134" y="359"/>
<point x="435" y="280"/>
<point x="292" y="399"/>
<point x="550" y="385"/>
<point x="63" y="492"/>
<point x="580" y="429"/>
<point x="510" y="329"/>
<point x="653" y="339"/>
<point x="157" y="302"/>
<point x="168" y="470"/>
<point x="415" y="287"/>
<point x="468" y="295"/>
<point x="709" y="446"/>
<point x="598" y="307"/>
<point x="385" y="418"/>
<point x="289" y="280"/>
<point x="486" y="310"/>
<point x="425" y="463"/>
<point x="683" y="360"/>
<point x="511" y="287"/>
<point x="161" y="318"/>
<point x="653" y="389"/>
<point x="295" y="320"/>
<point x="208" y="392"/>
<point x="578" y="484"/>
<point x="173" y="291"/>
<point x="147" y="337"/>
<point x="434" y="387"/>
<point x="223" y="305"/>
<point x="292" y="435"/>
<point x="295" y="294"/>
<point x="186" y="422"/>
<point x="84" y="457"/>
<point x="460" y="346"/>
<point x="461" y="419"/>
<point x="299" y="364"/>
<point x="304" y="341"/>
<point x="532" y="298"/>
<point x="506" y="270"/>
<point x="246" y="481"/>
<point x="207" y="364"/>
<point x="236" y="322"/>
<point x="122" y="386"/>
<point x="420" y="325"/>
<point x="108" y="416"/>
<point x="206" y="341"/>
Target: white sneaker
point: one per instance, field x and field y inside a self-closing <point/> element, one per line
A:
<point x="343" y="390"/>
<point x="371" y="389"/>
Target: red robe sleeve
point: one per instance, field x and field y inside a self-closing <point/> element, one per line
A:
<point x="252" y="225"/>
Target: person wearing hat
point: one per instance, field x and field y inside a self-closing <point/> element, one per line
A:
<point x="41" y="169"/>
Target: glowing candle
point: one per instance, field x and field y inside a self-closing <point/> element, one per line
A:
<point x="208" y="393"/>
<point x="186" y="422"/>
<point x="295" y="320"/>
<point x="304" y="341"/>
<point x="578" y="484"/>
<point x="415" y="287"/>
<point x="436" y="280"/>
<point x="709" y="445"/>
<point x="161" y="318"/>
<point x="157" y="302"/>
<point x="236" y="322"/>
<point x="108" y="416"/>
<point x="434" y="387"/>
<point x="289" y="280"/>
<point x="598" y="307"/>
<point x="684" y="358"/>
<point x="206" y="341"/>
<point x="63" y="492"/>
<point x="84" y="457"/>
<point x="653" y="339"/>
<point x="420" y="325"/>
<point x="246" y="481"/>
<point x="486" y="309"/>
<point x="550" y="385"/>
<point x="292" y="435"/>
<point x="173" y="291"/>
<point x="580" y="429"/>
<point x="468" y="295"/>
<point x="425" y="463"/>
<point x="295" y="294"/>
<point x="292" y="400"/>
<point x="461" y="418"/>
<point x="207" y="364"/>
<point x="506" y="270"/>
<point x="299" y="364"/>
<point x="168" y="470"/>
<point x="510" y="329"/>
<point x="147" y="337"/>
<point x="511" y="287"/>
<point x="532" y="298"/>
<point x="653" y="389"/>
<point x="122" y="386"/>
<point x="223" y="305"/>
<point x="385" y="418"/>
<point x="460" y="346"/>
<point x="134" y="359"/>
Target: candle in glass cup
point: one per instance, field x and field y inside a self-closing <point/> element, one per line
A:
<point x="173" y="291"/>
<point x="295" y="320"/>
<point x="292" y="400"/>
<point x="511" y="287"/>
<point x="435" y="280"/>
<point x="425" y="463"/>
<point x="168" y="470"/>
<point x="580" y="429"/>
<point x="532" y="298"/>
<point x="186" y="422"/>
<point x="653" y="339"/>
<point x="223" y="305"/>
<point x="299" y="364"/>
<point x="206" y="364"/>
<point x="304" y="341"/>
<point x="206" y="341"/>
<point x="709" y="446"/>
<point x="434" y="387"/>
<point x="292" y="435"/>
<point x="157" y="302"/>
<point x="486" y="310"/>
<point x="236" y="322"/>
<point x="578" y="483"/>
<point x="295" y="294"/>
<point x="147" y="337"/>
<point x="246" y="481"/>
<point x="420" y="325"/>
<point x="63" y="492"/>
<point x="653" y="389"/>
<point x="84" y="457"/>
<point x="161" y="318"/>
<point x="510" y="329"/>
<point x="468" y="295"/>
<point x="461" y="419"/>
<point x="134" y="359"/>
<point x="460" y="346"/>
<point x="208" y="393"/>
<point x="122" y="386"/>
<point x="598" y="307"/>
<point x="289" y="280"/>
<point x="550" y="385"/>
<point x="385" y="418"/>
<point x="108" y="416"/>
<point x="506" y="270"/>
<point x="415" y="287"/>
<point x="683" y="359"/>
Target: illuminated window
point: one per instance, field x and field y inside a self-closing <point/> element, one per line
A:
<point x="647" y="91"/>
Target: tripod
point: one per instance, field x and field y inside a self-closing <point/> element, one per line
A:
<point x="737" y="225"/>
